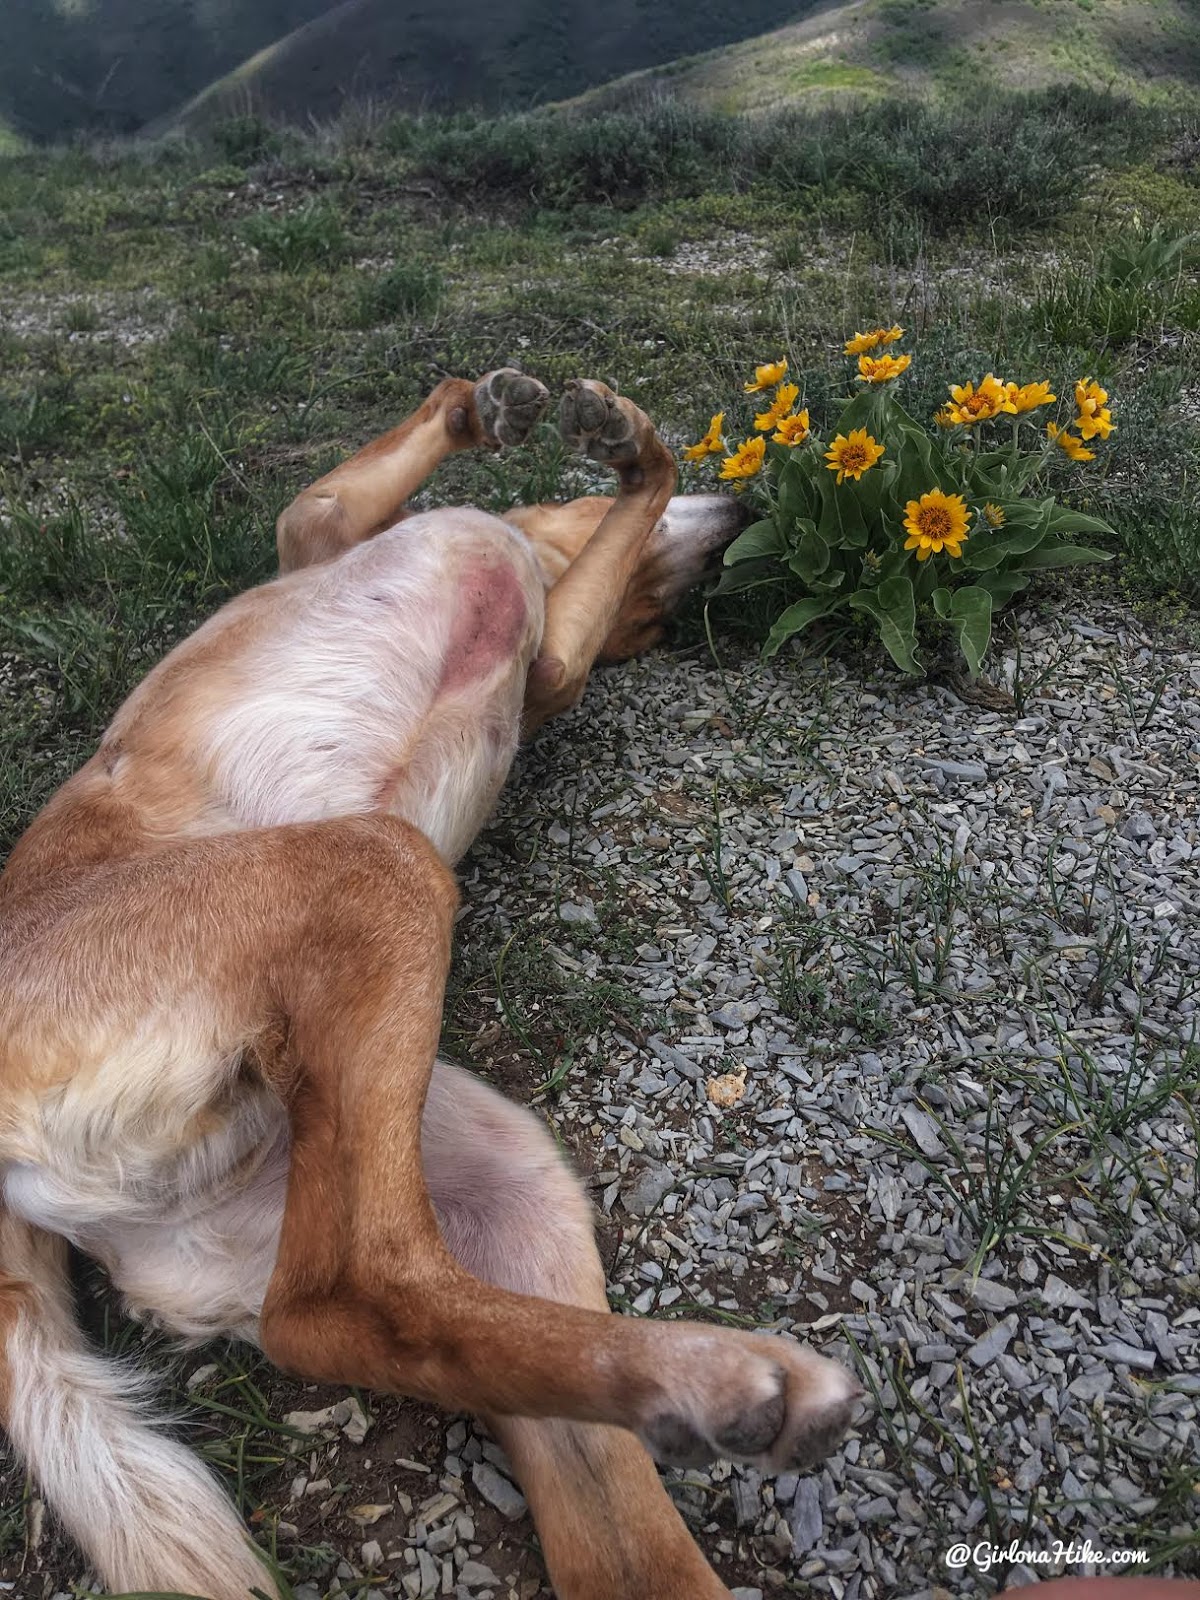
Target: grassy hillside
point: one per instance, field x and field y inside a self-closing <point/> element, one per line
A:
<point x="120" y="66"/>
<point x="424" y="55"/>
<point x="950" y="46"/>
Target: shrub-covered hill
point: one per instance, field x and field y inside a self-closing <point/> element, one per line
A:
<point x="950" y="47"/>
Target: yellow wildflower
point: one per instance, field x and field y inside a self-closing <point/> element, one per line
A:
<point x="1029" y="396"/>
<point x="947" y="416"/>
<point x="862" y="342"/>
<point x="792" y="430"/>
<point x="1066" y="441"/>
<point x="1094" y="419"/>
<point x="973" y="404"/>
<point x="1093" y="425"/>
<point x="766" y="377"/>
<point x="936" y="522"/>
<point x="746" y="460"/>
<point x="879" y="369"/>
<point x="712" y="443"/>
<point x="1089" y="396"/>
<point x="993" y="515"/>
<point x="850" y="456"/>
<point x="785" y="398"/>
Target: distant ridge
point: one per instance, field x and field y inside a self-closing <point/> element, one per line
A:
<point x="424" y="55"/>
<point x="1144" y="48"/>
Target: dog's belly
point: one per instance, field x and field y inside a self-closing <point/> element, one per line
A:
<point x="392" y="678"/>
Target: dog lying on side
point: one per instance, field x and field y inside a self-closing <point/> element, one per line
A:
<point x="223" y="951"/>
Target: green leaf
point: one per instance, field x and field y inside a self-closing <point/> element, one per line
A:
<point x="894" y="608"/>
<point x="1064" y="522"/>
<point x="985" y="550"/>
<point x="759" y="539"/>
<point x="1063" y="555"/>
<point x="748" y="575"/>
<point x="1023" y="513"/>
<point x="872" y="489"/>
<point x="811" y="556"/>
<point x="794" y="620"/>
<point x="841" y="523"/>
<point x="941" y="601"/>
<point x="861" y="412"/>
<point x="832" y="578"/>
<point x="794" y="499"/>
<point x="1002" y="586"/>
<point x="971" y="613"/>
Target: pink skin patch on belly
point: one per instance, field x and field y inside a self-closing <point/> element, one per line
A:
<point x="490" y="619"/>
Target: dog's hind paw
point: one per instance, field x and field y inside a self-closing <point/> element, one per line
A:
<point x="509" y="405"/>
<point x="763" y="1400"/>
<point x="601" y="424"/>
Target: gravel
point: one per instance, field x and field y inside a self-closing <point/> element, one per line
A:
<point x="953" y="955"/>
<point x="498" y="1491"/>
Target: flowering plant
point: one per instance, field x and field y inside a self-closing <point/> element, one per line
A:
<point x="894" y="520"/>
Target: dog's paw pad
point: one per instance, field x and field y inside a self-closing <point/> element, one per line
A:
<point x="509" y="405"/>
<point x="672" y="1440"/>
<point x="750" y="1398"/>
<point x="601" y="424"/>
<point x="822" y="1431"/>
<point x="754" y="1433"/>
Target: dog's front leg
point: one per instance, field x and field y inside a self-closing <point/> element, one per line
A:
<point x="367" y="493"/>
<point x="583" y="607"/>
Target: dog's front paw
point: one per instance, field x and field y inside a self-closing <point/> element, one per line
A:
<point x="601" y="424"/>
<point x="509" y="405"/>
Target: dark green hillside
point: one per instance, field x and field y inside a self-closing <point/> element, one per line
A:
<point x="110" y="65"/>
<point x="423" y="55"/>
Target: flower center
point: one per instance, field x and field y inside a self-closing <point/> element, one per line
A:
<point x="935" y="522"/>
<point x="854" y="456"/>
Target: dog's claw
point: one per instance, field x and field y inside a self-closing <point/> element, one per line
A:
<point x="509" y="405"/>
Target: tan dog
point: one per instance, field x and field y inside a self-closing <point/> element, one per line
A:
<point x="223" y="948"/>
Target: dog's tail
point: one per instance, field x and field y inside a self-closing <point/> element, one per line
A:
<point x="142" y="1508"/>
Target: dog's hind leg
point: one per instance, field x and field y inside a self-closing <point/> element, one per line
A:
<point x="367" y="493"/>
<point x="364" y="1289"/>
<point x="515" y="1215"/>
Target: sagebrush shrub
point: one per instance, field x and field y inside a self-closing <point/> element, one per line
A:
<point x="309" y="236"/>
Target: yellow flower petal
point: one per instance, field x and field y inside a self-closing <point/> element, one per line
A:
<point x="745" y="461"/>
<point x="1069" y="444"/>
<point x="981" y="404"/>
<point x="792" y="430"/>
<point x="767" y="376"/>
